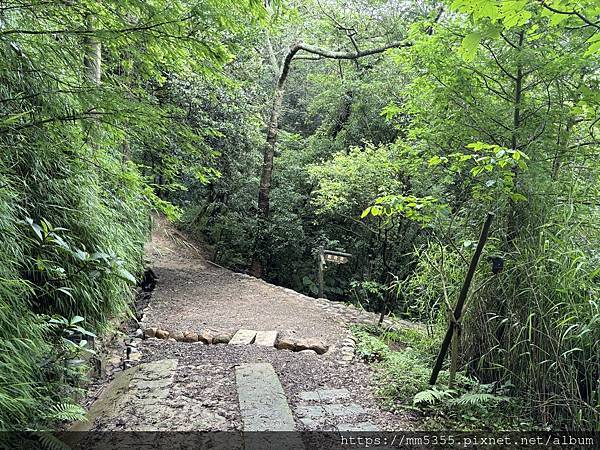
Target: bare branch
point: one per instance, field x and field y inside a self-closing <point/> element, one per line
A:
<point x="330" y="54"/>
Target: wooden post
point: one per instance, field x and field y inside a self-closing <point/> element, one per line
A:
<point x="461" y="298"/>
<point x="321" y="264"/>
<point x="385" y="304"/>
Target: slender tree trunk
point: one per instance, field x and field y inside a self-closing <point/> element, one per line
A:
<point x="562" y="147"/>
<point x="264" y="190"/>
<point x="92" y="62"/>
<point x="514" y="142"/>
<point x="267" y="167"/>
<point x="344" y="114"/>
<point x="93" y="55"/>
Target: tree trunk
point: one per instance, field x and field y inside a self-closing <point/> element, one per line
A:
<point x="344" y="114"/>
<point x="93" y="55"/>
<point x="92" y="62"/>
<point x="518" y="100"/>
<point x="267" y="167"/>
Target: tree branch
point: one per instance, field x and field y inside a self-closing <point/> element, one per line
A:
<point x="570" y="13"/>
<point x="330" y="54"/>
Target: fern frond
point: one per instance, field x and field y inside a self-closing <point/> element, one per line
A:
<point x="477" y="398"/>
<point x="431" y="396"/>
<point x="66" y="412"/>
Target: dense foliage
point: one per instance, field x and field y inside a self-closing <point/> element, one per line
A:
<point x="382" y="128"/>
<point x="87" y="90"/>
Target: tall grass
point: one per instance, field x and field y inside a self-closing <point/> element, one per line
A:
<point x="538" y="325"/>
<point x="22" y="344"/>
<point x="534" y="327"/>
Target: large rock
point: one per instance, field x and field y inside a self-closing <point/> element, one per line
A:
<point x="206" y="336"/>
<point x="286" y="343"/>
<point x="178" y="336"/>
<point x="308" y="351"/>
<point x="162" y="334"/>
<point x="243" y="337"/>
<point x="265" y="338"/>
<point x="222" y="338"/>
<point x="137" y="356"/>
<point x="312" y="344"/>
<point x="190" y="336"/>
<point x="150" y="332"/>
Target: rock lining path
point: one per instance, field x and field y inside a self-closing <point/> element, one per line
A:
<point x="197" y="390"/>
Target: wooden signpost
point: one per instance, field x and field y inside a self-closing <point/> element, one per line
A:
<point x="326" y="256"/>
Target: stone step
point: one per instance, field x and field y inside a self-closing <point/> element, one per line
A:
<point x="324" y="394"/>
<point x="266" y="338"/>
<point x="315" y="412"/>
<point x="263" y="404"/>
<point x="243" y="337"/>
<point x="134" y="399"/>
<point x="360" y="427"/>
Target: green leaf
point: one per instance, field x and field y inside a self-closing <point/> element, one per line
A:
<point x="12" y="118"/>
<point x="38" y="231"/>
<point x="469" y="45"/>
<point x="84" y="331"/>
<point x="594" y="46"/>
<point x="488" y="9"/>
<point x="76" y="319"/>
<point x="390" y="111"/>
<point x="556" y="19"/>
<point x="435" y="160"/>
<point x="65" y="291"/>
<point x="81" y="255"/>
<point x="516" y="197"/>
<point x="125" y="275"/>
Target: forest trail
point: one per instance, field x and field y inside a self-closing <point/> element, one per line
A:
<point x="192" y="386"/>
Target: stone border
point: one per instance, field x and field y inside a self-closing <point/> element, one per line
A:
<point x="347" y="350"/>
<point x="347" y="314"/>
<point x="209" y="336"/>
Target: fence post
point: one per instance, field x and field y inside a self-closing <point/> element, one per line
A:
<point x="321" y="257"/>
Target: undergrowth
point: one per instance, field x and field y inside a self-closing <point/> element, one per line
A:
<point x="402" y="378"/>
<point x="72" y="242"/>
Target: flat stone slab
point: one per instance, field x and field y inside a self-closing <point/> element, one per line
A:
<point x="314" y="412"/>
<point x="243" y="337"/>
<point x="266" y="338"/>
<point x="263" y="404"/>
<point x="324" y="394"/>
<point x="142" y="388"/>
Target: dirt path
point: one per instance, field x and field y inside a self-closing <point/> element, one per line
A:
<point x="192" y="294"/>
<point x="190" y="386"/>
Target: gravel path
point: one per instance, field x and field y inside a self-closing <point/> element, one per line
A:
<point x="195" y="382"/>
<point x="192" y="295"/>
